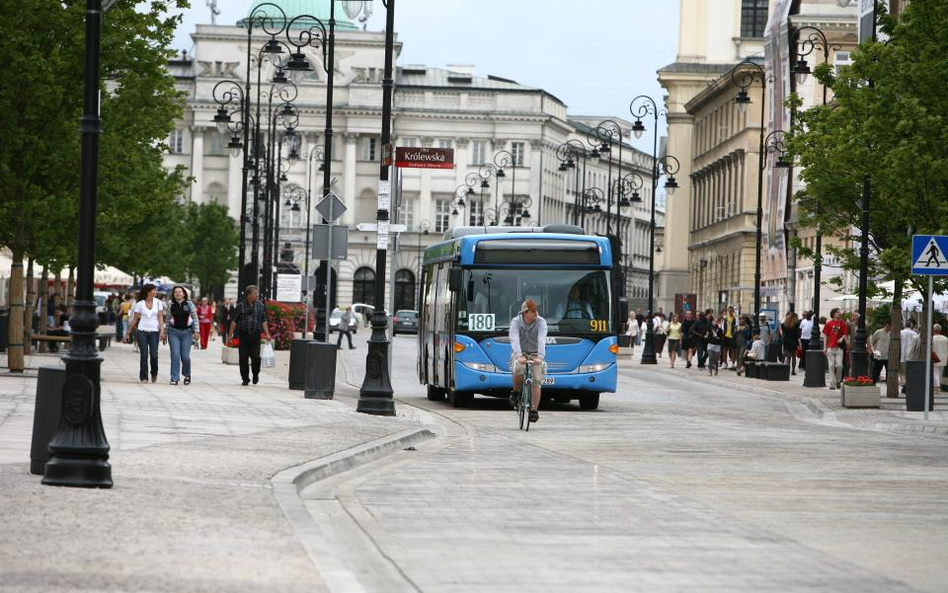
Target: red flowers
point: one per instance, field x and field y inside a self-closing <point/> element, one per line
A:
<point x="860" y="381"/>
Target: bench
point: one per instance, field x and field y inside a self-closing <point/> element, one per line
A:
<point x="105" y="340"/>
<point x="774" y="371"/>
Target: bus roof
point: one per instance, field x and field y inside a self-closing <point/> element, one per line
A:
<point x="508" y="249"/>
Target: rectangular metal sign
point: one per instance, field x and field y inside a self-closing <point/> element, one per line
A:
<point x="424" y="158"/>
<point x="928" y="255"/>
<point x="340" y="241"/>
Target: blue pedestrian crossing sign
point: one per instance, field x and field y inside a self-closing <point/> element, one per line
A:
<point x="929" y="255"/>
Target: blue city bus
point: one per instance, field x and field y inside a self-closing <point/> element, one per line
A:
<point x="473" y="284"/>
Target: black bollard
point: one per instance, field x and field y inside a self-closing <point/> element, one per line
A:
<point x="49" y="403"/>
<point x="298" y="363"/>
<point x="320" y="370"/>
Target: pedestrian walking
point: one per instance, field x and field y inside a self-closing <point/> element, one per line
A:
<point x="744" y="339"/>
<point x="633" y="332"/>
<point x="250" y="319"/>
<point x="659" y="327"/>
<point x="835" y="332"/>
<point x="715" y="343"/>
<point x="148" y="325"/>
<point x="806" y="330"/>
<point x="221" y="319"/>
<point x="699" y="333"/>
<point x="908" y="346"/>
<point x="344" y="322"/>
<point x="205" y="315"/>
<point x="729" y="353"/>
<point x="687" y="339"/>
<point x="674" y="338"/>
<point x="182" y="332"/>
<point x="879" y="344"/>
<point x="939" y="356"/>
<point x="790" y="339"/>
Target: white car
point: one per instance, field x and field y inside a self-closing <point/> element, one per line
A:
<point x="336" y="316"/>
<point x="363" y="311"/>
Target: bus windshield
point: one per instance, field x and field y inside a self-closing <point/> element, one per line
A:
<point x="572" y="301"/>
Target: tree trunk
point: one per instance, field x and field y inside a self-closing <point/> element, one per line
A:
<point x="28" y="310"/>
<point x="43" y="303"/>
<point x="15" y="360"/>
<point x="70" y="288"/>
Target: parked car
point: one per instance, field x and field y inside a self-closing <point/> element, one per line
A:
<point x="405" y="322"/>
<point x="336" y="316"/>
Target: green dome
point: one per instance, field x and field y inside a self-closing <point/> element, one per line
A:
<point x="294" y="8"/>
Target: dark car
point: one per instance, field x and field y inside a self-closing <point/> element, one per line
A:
<point x="405" y="322"/>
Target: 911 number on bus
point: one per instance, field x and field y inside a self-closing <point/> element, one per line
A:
<point x="599" y="325"/>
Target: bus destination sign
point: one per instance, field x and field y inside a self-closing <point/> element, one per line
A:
<point x="424" y="158"/>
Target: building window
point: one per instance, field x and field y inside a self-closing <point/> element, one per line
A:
<point x="368" y="149"/>
<point x="442" y="215"/>
<point x="478" y="152"/>
<point x="404" y="290"/>
<point x="445" y="143"/>
<point x="476" y="209"/>
<point x="363" y="286"/>
<point x="176" y="141"/>
<point x="843" y="59"/>
<point x="406" y="213"/>
<point x="408" y="142"/>
<point x="517" y="149"/>
<point x="753" y="17"/>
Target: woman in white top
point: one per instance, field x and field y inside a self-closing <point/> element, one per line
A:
<point x="148" y="318"/>
<point x="632" y="332"/>
<point x="939" y="349"/>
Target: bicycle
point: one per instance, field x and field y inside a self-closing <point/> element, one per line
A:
<point x="526" y="396"/>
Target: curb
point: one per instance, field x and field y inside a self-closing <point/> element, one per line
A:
<point x="288" y="484"/>
<point x="821" y="411"/>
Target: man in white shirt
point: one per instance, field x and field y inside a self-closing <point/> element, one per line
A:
<point x="907" y="347"/>
<point x="940" y="351"/>
<point x="806" y="329"/>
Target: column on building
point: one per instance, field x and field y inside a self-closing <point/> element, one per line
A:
<point x="500" y="192"/>
<point x="426" y="205"/>
<point x="349" y="196"/>
<point x="535" y="176"/>
<point x="197" y="163"/>
<point x="462" y="156"/>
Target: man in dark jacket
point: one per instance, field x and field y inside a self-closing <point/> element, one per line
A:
<point x="699" y="333"/>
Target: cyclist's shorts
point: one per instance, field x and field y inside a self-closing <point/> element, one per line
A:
<point x="538" y="370"/>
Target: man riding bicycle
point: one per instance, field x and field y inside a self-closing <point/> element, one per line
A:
<point x="528" y="342"/>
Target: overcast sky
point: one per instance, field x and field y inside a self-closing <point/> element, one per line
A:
<point x="595" y="55"/>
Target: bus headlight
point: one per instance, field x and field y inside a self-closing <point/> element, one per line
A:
<point x="594" y="368"/>
<point x="480" y="367"/>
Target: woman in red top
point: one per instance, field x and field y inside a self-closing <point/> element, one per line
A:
<point x="205" y="315"/>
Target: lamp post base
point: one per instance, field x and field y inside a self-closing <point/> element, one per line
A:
<point x="815" y="369"/>
<point x="375" y="395"/>
<point x="858" y="363"/>
<point x="648" y="351"/>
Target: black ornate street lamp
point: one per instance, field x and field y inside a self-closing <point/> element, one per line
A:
<point x="569" y="153"/>
<point x="743" y="76"/>
<point x="643" y="106"/>
<point x="375" y="395"/>
<point x="315" y="154"/>
<point x="226" y="93"/>
<point x="79" y="451"/>
<point x="502" y="160"/>
<point x="814" y="39"/>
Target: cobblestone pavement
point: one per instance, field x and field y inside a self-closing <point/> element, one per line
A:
<point x="675" y="484"/>
<point x="192" y="508"/>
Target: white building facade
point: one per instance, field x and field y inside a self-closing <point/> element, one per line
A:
<point x="447" y="108"/>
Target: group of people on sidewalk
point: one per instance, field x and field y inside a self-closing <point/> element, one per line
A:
<point x="716" y="340"/>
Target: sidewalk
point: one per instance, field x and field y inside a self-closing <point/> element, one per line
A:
<point x="193" y="507"/>
<point x="822" y="402"/>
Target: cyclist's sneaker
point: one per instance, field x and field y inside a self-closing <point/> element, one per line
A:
<point x="514" y="399"/>
<point x="534" y="415"/>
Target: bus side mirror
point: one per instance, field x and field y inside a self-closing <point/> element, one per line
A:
<point x="470" y="290"/>
<point x="455" y="280"/>
<point x="623" y="309"/>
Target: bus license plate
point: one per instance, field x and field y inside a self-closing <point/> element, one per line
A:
<point x="548" y="381"/>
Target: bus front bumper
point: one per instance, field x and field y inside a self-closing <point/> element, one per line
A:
<point x="468" y="379"/>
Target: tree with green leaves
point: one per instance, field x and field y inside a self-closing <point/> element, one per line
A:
<point x="40" y="106"/>
<point x="213" y="239"/>
<point x="895" y="131"/>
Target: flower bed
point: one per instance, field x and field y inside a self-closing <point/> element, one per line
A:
<point x="860" y="381"/>
<point x="283" y="319"/>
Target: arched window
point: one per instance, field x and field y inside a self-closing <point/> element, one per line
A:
<point x="404" y="290"/>
<point x="363" y="286"/>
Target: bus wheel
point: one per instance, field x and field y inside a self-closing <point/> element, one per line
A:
<point x="459" y="399"/>
<point x="435" y="394"/>
<point x="589" y="402"/>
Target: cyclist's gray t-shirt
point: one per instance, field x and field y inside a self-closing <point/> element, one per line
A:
<point x="528" y="338"/>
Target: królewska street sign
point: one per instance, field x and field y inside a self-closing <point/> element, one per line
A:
<point x="929" y="255"/>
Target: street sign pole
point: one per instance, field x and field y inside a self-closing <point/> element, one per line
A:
<point x="929" y="258"/>
<point x="928" y="359"/>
